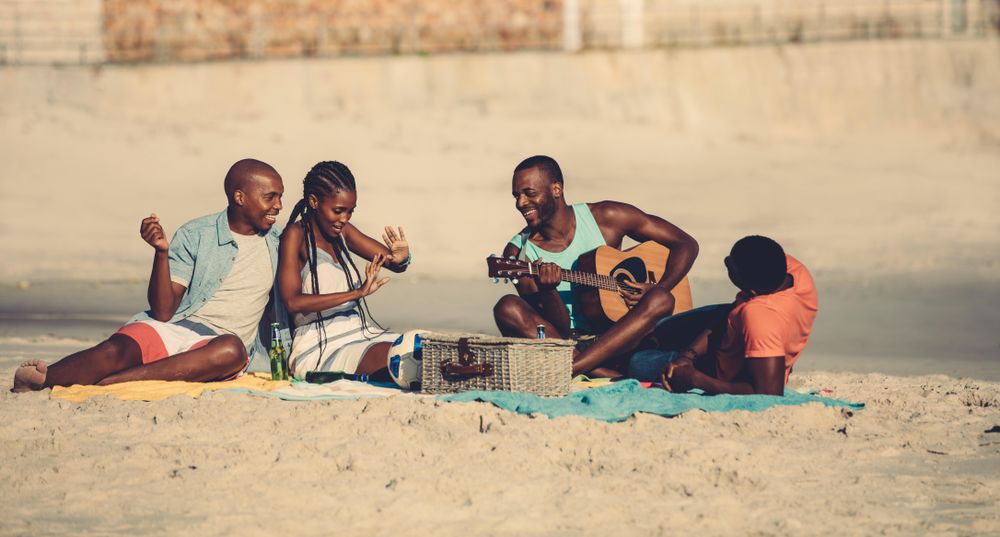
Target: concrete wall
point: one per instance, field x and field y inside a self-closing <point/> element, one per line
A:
<point x="720" y="141"/>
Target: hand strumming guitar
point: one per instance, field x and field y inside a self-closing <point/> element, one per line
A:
<point x="632" y="292"/>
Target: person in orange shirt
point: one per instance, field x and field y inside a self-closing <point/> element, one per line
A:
<point x="747" y="347"/>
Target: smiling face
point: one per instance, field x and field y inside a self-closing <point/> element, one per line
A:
<point x="259" y="200"/>
<point x="535" y="196"/>
<point x="331" y="213"/>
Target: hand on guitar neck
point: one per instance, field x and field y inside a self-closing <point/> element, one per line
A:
<point x="547" y="275"/>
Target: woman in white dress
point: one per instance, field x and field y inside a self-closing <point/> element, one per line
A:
<point x="321" y="286"/>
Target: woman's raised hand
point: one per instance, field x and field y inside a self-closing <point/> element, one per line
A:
<point x="372" y="283"/>
<point x="396" y="242"/>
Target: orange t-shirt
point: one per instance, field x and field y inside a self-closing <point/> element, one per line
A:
<point x="777" y="324"/>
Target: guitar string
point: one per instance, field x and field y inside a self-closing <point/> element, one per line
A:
<point x="601" y="281"/>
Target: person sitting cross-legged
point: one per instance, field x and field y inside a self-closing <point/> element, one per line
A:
<point x="555" y="236"/>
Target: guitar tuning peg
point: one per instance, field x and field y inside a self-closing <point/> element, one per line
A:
<point x="496" y="280"/>
<point x="494" y="254"/>
<point x="505" y="280"/>
<point x="514" y="281"/>
<point x="512" y="258"/>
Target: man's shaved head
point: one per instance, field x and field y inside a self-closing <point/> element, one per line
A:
<point x="241" y="173"/>
<point x="546" y="166"/>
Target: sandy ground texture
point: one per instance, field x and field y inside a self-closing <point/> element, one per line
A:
<point x="917" y="460"/>
<point x="874" y="163"/>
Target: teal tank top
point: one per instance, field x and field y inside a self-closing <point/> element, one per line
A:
<point x="586" y="238"/>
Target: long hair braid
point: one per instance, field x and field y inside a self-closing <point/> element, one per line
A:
<point x="324" y="179"/>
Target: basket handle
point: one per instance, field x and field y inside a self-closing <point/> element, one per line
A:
<point x="466" y="367"/>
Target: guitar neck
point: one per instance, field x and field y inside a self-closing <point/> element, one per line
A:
<point x="589" y="279"/>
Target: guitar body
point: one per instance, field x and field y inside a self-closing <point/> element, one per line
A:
<point x="642" y="263"/>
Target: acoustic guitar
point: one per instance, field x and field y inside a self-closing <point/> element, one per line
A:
<point x="599" y="276"/>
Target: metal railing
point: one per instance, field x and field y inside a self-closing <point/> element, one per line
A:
<point x="676" y="23"/>
<point x="82" y="31"/>
<point x="51" y="31"/>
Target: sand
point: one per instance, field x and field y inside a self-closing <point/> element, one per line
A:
<point x="874" y="163"/>
<point x="915" y="461"/>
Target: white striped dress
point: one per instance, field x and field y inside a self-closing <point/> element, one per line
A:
<point x="346" y="339"/>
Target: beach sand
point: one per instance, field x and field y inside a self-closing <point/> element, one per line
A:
<point x="917" y="460"/>
<point x="874" y="163"/>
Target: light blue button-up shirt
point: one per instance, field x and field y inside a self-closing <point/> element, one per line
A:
<point x="202" y="253"/>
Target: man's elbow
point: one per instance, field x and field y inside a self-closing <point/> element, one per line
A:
<point x="692" y="247"/>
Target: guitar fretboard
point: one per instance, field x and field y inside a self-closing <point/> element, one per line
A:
<point x="589" y="279"/>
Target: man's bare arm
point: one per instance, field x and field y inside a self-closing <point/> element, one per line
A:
<point x="767" y="377"/>
<point x="631" y="222"/>
<point x="164" y="295"/>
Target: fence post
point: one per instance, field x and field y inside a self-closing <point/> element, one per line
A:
<point x="632" y="23"/>
<point x="572" y="34"/>
<point x="954" y="17"/>
<point x="821" y="23"/>
<point x="18" y="44"/>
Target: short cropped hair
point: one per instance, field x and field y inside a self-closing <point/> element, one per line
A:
<point x="761" y="263"/>
<point x="547" y="165"/>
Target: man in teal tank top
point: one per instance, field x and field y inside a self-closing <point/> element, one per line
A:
<point x="557" y="234"/>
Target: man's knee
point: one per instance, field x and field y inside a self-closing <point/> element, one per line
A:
<point x="656" y="303"/>
<point x="509" y="307"/>
<point x="120" y="348"/>
<point x="228" y="354"/>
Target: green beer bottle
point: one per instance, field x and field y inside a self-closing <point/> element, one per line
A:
<point x="279" y="359"/>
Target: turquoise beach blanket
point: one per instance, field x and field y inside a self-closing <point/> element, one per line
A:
<point x="619" y="400"/>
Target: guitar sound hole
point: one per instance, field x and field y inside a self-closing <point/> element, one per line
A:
<point x="631" y="269"/>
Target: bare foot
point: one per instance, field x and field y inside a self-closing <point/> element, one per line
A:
<point x="30" y="376"/>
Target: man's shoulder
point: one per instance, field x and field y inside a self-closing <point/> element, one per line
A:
<point x="209" y="221"/>
<point x="198" y="232"/>
<point x="610" y="209"/>
<point x="613" y="215"/>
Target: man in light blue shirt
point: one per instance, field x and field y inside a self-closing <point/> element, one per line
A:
<point x="208" y="295"/>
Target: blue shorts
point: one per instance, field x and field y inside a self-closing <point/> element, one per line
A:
<point x="647" y="365"/>
<point x="675" y="333"/>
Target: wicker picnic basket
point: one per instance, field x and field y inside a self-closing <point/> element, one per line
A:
<point x="461" y="362"/>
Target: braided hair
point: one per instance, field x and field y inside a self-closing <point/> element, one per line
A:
<point x="323" y="180"/>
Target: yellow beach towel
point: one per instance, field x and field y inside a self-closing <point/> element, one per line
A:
<point x="155" y="390"/>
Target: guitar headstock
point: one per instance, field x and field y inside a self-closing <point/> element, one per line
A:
<point x="501" y="267"/>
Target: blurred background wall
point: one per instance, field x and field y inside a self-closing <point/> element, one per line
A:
<point x="97" y="31"/>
